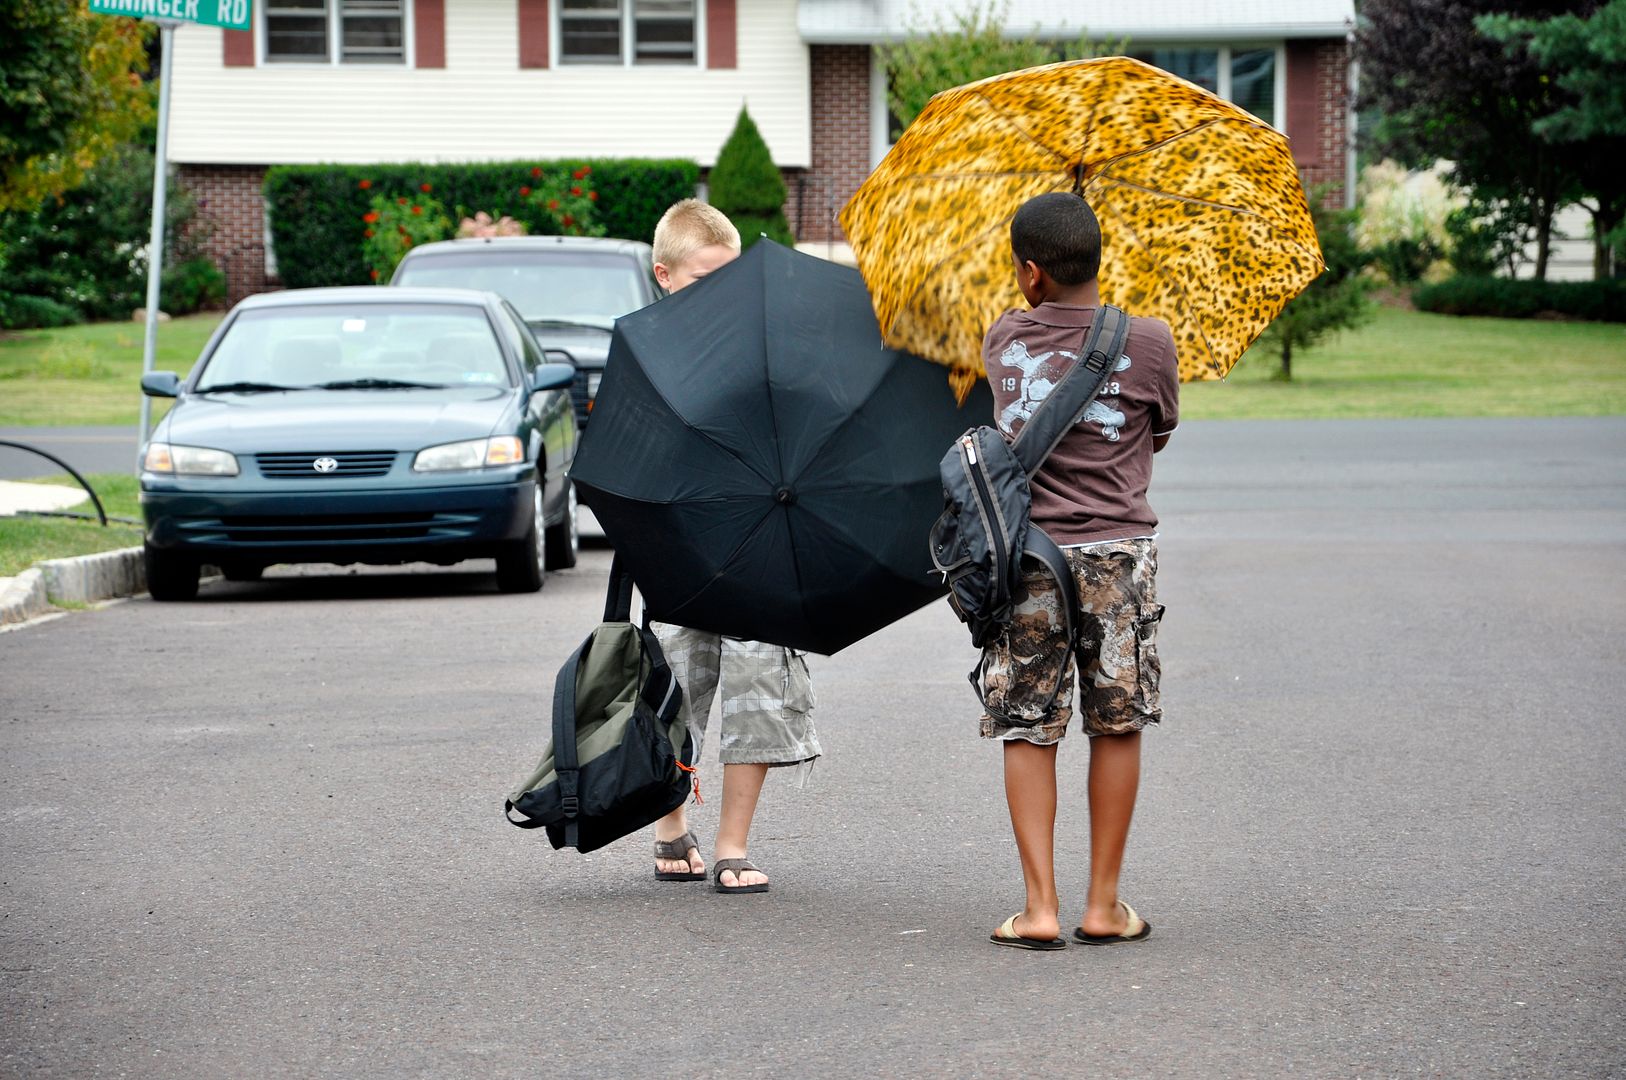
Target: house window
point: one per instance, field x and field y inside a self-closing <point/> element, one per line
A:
<point x="627" y="32"/>
<point x="1244" y="76"/>
<point x="335" y="31"/>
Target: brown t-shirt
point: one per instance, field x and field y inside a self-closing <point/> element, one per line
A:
<point x="1092" y="487"/>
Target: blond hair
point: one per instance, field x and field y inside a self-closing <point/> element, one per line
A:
<point x="688" y="226"/>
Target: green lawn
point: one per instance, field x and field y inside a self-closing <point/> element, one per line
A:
<point x="90" y="375"/>
<point x="26" y="540"/>
<point x="1403" y="363"/>
<point x="1409" y="363"/>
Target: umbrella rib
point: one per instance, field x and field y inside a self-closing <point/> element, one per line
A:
<point x="1019" y="129"/>
<point x="1243" y="210"/>
<point x="1202" y="331"/>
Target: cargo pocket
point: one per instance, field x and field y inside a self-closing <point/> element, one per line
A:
<point x="1148" y="668"/>
<point x="799" y="700"/>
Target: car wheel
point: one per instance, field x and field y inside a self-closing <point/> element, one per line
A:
<point x="522" y="566"/>
<point x="241" y="572"/>
<point x="563" y="540"/>
<point x="170" y="576"/>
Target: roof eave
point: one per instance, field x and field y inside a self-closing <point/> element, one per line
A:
<point x="1235" y="32"/>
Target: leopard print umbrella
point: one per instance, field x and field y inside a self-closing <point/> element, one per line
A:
<point x="1204" y="222"/>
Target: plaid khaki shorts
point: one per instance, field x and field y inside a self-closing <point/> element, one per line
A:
<point x="1026" y="676"/>
<point x="766" y="691"/>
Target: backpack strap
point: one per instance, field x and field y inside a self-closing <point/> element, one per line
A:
<point x="1060" y="410"/>
<point x="618" y="601"/>
<point x="566" y="765"/>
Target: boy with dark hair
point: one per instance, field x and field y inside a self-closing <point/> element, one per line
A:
<point x="1090" y="497"/>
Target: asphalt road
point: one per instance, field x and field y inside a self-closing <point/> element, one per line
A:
<point x="1380" y="833"/>
<point x="87" y="449"/>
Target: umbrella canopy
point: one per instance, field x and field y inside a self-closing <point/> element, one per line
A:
<point x="764" y="465"/>
<point x="1204" y="222"/>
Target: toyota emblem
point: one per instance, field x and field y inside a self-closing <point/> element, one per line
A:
<point x="324" y="464"/>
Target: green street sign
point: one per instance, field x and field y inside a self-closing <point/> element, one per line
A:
<point x="231" y="14"/>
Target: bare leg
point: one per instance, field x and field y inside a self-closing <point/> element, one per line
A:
<point x="671" y="827"/>
<point x="1030" y="792"/>
<point x="1114" y="782"/>
<point x="742" y="784"/>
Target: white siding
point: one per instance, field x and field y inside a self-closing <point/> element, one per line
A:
<point x="866" y="21"/>
<point x="483" y="106"/>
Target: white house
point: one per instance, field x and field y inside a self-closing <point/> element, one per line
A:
<point x="365" y="81"/>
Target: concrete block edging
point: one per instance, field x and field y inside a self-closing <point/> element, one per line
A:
<point x="83" y="579"/>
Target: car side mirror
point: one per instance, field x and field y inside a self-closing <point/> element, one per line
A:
<point x="161" y="384"/>
<point x="553" y="376"/>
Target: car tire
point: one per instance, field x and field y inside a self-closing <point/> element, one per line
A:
<point x="169" y="576"/>
<point x="522" y="564"/>
<point x="564" y="540"/>
<point x="242" y="572"/>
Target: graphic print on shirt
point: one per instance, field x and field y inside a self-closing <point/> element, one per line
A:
<point x="1035" y="383"/>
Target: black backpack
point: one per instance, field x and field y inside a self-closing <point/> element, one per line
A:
<point x="978" y="542"/>
<point x="616" y="761"/>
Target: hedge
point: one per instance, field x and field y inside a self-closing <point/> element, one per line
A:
<point x="1508" y="298"/>
<point x="316" y="210"/>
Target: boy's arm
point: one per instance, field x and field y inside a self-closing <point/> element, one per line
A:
<point x="1166" y="414"/>
<point x="1160" y="441"/>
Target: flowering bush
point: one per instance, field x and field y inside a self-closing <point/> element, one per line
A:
<point x="481" y="224"/>
<point x="395" y="223"/>
<point x="1403" y="220"/>
<point x="568" y="198"/>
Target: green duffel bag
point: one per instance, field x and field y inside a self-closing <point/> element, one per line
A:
<point x="617" y="760"/>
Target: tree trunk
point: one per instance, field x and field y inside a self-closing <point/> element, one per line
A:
<point x="1544" y="234"/>
<point x="1287" y="358"/>
<point x="1605" y="219"/>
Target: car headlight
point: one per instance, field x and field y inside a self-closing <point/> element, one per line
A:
<point x="470" y="454"/>
<point x="188" y="460"/>
<point x="593" y="379"/>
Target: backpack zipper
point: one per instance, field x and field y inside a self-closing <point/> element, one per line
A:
<point x="985" y="498"/>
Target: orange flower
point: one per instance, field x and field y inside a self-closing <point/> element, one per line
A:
<point x="374" y="273"/>
<point x="567" y="221"/>
<point x="426" y="188"/>
<point x="536" y="173"/>
<point x="592" y="196"/>
<point x="524" y="191"/>
<point x="576" y="191"/>
<point x="417" y="209"/>
<point x="368" y="234"/>
<point x="553" y="204"/>
<point x="402" y="199"/>
<point x="365" y="184"/>
<point x="370" y="216"/>
<point x="581" y="173"/>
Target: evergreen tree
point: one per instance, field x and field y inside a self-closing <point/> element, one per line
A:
<point x="1336" y="300"/>
<point x="746" y="185"/>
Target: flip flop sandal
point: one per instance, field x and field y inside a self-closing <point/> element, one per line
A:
<point x="1137" y="930"/>
<point x="678" y="848"/>
<point x="1007" y="935"/>
<point x="738" y="866"/>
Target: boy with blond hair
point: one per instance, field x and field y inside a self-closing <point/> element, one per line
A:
<point x="1090" y="497"/>
<point x="767" y="693"/>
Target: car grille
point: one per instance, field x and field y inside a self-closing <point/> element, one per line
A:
<point x="578" y="397"/>
<point x="348" y="464"/>
<point x="334" y="528"/>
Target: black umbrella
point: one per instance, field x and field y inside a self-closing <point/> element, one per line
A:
<point x="765" y="467"/>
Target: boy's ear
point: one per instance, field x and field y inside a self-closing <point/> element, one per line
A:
<point x="663" y="276"/>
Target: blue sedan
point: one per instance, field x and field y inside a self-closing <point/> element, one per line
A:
<point x="362" y="425"/>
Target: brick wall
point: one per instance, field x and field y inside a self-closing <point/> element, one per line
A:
<point x="841" y="141"/>
<point x="231" y="221"/>
<point x="1318" y="113"/>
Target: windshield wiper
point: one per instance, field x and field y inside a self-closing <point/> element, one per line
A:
<point x="379" y="384"/>
<point x="591" y="322"/>
<point x="246" y="388"/>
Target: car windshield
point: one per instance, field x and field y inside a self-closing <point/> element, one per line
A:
<point x="558" y="286"/>
<point x="357" y="346"/>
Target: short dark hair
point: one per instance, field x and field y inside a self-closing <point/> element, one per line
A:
<point x="1058" y="231"/>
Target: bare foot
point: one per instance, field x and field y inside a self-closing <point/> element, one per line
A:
<point x="1105" y="922"/>
<point x="730" y="880"/>
<point x="694" y="864"/>
<point x="1038" y="927"/>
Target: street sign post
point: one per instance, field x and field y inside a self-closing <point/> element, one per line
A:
<point x="168" y="14"/>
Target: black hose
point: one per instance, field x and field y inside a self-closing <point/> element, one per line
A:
<point x="75" y="472"/>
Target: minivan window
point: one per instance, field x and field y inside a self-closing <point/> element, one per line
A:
<point x="545" y="286"/>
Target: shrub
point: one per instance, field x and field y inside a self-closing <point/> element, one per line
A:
<point x="192" y="285"/>
<point x="569" y="199"/>
<point x="316" y="210"/>
<point x="1335" y="300"/>
<point x="745" y="185"/>
<point x="34" y="312"/>
<point x="1403" y="220"/>
<point x="393" y="224"/>
<point x="1596" y="301"/>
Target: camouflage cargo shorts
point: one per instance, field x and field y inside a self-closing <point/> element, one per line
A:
<point x="766" y="691"/>
<point x="1118" y="612"/>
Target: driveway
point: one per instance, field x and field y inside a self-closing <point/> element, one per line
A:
<point x="1380" y="833"/>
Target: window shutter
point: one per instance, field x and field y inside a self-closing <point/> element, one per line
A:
<point x="533" y="33"/>
<point x="237" y="48"/>
<point x="429" y="32"/>
<point x="721" y="34"/>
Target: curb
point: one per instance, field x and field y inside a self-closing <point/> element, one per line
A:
<point x="84" y="579"/>
<point x="24" y="597"/>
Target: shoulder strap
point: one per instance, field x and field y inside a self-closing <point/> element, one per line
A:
<point x="566" y="765"/>
<point x="1103" y="344"/>
<point x="618" y="601"/>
